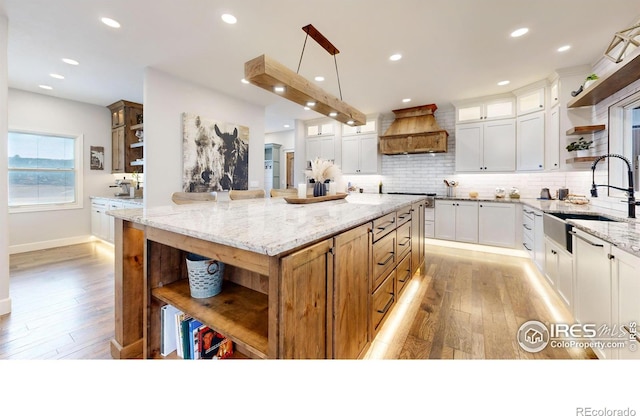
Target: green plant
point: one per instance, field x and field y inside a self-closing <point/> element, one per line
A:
<point x="580" y="144"/>
<point x="592" y="77"/>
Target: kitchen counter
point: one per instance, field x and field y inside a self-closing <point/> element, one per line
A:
<point x="623" y="233"/>
<point x="267" y="226"/>
<point x="135" y="200"/>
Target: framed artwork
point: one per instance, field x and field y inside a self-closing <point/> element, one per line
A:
<point x="215" y="155"/>
<point x="97" y="158"/>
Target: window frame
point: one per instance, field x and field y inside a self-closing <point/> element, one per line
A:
<point x="78" y="169"/>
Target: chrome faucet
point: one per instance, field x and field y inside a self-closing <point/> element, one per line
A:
<point x="594" y="191"/>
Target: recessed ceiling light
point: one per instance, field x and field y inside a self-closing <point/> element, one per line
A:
<point x="244" y="81"/>
<point x="110" y="22"/>
<point x="286" y="126"/>
<point x="310" y="103"/>
<point x="502" y="83"/>
<point x="319" y="78"/>
<point x="519" y="32"/>
<point x="229" y="18"/>
<point x="70" y="61"/>
<point x="564" y="48"/>
<point x="56" y="76"/>
<point x="278" y="89"/>
<point x="333" y="114"/>
<point x="395" y="57"/>
<point x="45" y="87"/>
<point x="406" y="100"/>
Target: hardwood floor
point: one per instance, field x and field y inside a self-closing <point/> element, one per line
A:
<point x="62" y="304"/>
<point x="464" y="305"/>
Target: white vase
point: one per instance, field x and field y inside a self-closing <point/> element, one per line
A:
<point x="583" y="153"/>
<point x="588" y="82"/>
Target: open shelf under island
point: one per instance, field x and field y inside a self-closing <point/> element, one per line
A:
<point x="301" y="281"/>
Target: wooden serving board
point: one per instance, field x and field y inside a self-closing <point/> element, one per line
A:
<point x="314" y="199"/>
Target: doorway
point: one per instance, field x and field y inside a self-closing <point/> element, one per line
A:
<point x="289" y="156"/>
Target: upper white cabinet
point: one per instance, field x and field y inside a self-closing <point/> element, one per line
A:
<point x="552" y="140"/>
<point x="371" y="126"/>
<point x="530" y="141"/>
<point x="486" y="146"/>
<point x="554" y="93"/>
<point x="320" y="128"/>
<point x="530" y="101"/>
<point x="488" y="109"/>
<point x="360" y="154"/>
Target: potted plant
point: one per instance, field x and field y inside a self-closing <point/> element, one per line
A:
<point x="580" y="146"/>
<point x="590" y="80"/>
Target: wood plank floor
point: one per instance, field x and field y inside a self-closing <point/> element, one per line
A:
<point x="464" y="305"/>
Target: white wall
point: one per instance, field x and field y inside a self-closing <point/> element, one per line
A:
<point x="165" y="99"/>
<point x="41" y="113"/>
<point x="287" y="140"/>
<point x="5" y="301"/>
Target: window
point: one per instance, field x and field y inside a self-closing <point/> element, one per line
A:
<point x="45" y="171"/>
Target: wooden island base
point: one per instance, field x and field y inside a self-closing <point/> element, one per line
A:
<point x="325" y="299"/>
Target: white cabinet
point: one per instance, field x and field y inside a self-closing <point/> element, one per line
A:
<point x="593" y="295"/>
<point x="626" y="308"/>
<point x="457" y="220"/>
<point x="429" y="222"/>
<point x="371" y="126"/>
<point x="530" y="141"/>
<point x="558" y="268"/>
<point x="530" y="101"/>
<point x="322" y="147"/>
<point x="360" y="154"/>
<point x="99" y="220"/>
<point x="486" y="147"/>
<point x="554" y="93"/>
<point x="485" y="109"/>
<point x="496" y="224"/>
<point x="322" y="127"/>
<point x="552" y="140"/>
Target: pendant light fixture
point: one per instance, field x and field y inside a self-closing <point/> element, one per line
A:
<point x="274" y="77"/>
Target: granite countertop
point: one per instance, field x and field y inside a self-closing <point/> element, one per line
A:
<point x="268" y="226"/>
<point x="624" y="235"/>
<point x="135" y="200"/>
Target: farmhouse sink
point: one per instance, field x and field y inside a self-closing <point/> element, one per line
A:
<point x="575" y="216"/>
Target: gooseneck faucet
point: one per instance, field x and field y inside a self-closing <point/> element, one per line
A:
<point x="594" y="191"/>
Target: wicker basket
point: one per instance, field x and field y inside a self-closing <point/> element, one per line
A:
<point x="205" y="276"/>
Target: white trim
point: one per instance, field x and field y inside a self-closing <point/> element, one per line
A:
<point x="78" y="169"/>
<point x="43" y="245"/>
<point x="5" y="306"/>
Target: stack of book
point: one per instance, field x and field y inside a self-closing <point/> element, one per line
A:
<point x="190" y="338"/>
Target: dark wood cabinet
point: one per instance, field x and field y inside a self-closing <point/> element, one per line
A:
<point x="126" y="149"/>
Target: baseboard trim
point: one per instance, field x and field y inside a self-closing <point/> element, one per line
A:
<point x="478" y="247"/>
<point x="5" y="306"/>
<point x="43" y="245"/>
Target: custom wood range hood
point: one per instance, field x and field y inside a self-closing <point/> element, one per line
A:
<point x="414" y="130"/>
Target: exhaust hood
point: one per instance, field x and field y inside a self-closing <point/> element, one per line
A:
<point x="414" y="130"/>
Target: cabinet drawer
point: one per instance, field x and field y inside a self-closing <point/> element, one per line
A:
<point x="527" y="224"/>
<point x="382" y="301"/>
<point x="527" y="244"/>
<point x="383" y="225"/>
<point x="384" y="258"/>
<point x="403" y="237"/>
<point x="403" y="273"/>
<point x="403" y="215"/>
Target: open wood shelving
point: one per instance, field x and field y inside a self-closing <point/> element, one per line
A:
<point x="577" y="130"/>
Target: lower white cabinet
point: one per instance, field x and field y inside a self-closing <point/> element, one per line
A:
<point x="593" y="283"/>
<point x="457" y="220"/>
<point x="429" y="222"/>
<point x="497" y="224"/>
<point x="533" y="235"/>
<point x="626" y="292"/>
<point x="103" y="225"/>
<point x="558" y="268"/>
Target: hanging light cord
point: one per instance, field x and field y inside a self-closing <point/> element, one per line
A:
<point x="335" y="61"/>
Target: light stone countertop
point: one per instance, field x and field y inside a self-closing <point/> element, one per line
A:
<point x="624" y="235"/>
<point x="268" y="226"/>
<point x="136" y="200"/>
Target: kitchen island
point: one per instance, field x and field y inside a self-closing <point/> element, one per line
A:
<point x="301" y="280"/>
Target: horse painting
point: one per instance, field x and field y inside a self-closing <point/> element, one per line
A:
<point x="215" y="155"/>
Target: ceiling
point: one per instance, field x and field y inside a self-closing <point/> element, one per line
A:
<point x="451" y="50"/>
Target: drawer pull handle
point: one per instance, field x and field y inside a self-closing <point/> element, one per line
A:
<point x="407" y="240"/>
<point x="387" y="306"/>
<point x="525" y="227"/>
<point x="406" y="276"/>
<point x="585" y="240"/>
<point x="387" y="224"/>
<point x="536" y="214"/>
<point x="525" y="246"/>
<point x="391" y="254"/>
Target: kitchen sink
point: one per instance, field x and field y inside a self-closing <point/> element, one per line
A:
<point x="558" y="230"/>
<point x="574" y="216"/>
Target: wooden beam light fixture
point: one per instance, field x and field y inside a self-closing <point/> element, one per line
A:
<point x="274" y="77"/>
